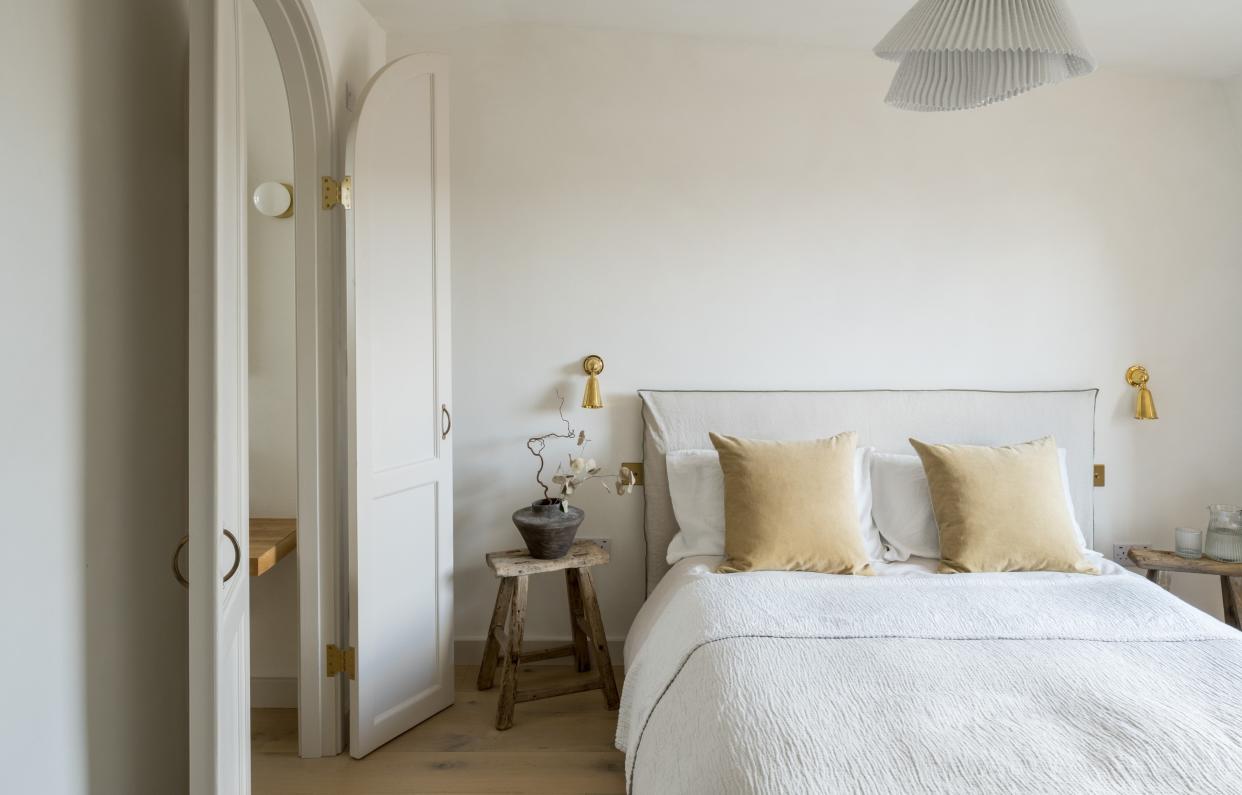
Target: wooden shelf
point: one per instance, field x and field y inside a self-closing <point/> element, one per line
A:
<point x="270" y="540"/>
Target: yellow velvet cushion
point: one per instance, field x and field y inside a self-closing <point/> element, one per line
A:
<point x="1001" y="508"/>
<point x="789" y="506"/>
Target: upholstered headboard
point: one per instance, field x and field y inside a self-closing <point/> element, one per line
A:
<point x="884" y="419"/>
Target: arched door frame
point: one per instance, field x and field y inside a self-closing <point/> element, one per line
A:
<point x="317" y="287"/>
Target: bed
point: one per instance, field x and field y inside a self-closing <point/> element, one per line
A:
<point x="911" y="681"/>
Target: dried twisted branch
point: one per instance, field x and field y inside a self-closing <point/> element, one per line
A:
<point x="537" y="444"/>
<point x="581" y="468"/>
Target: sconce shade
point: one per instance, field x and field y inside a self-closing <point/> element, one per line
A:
<point x="1145" y="405"/>
<point x="274" y="199"/>
<point x="1145" y="408"/>
<point x="592" y="398"/>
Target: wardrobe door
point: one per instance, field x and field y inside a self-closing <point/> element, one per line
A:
<point x="399" y="404"/>
<point x="219" y="676"/>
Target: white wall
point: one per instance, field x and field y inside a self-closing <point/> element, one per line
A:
<point x="1233" y="89"/>
<point x="273" y="375"/>
<point x="356" y="47"/>
<point x="269" y="151"/>
<point x="711" y="215"/>
<point x="93" y="396"/>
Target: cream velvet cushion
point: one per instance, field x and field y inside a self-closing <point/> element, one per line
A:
<point x="1001" y="508"/>
<point x="789" y="506"/>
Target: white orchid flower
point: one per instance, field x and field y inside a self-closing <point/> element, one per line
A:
<point x="625" y="481"/>
<point x="577" y="465"/>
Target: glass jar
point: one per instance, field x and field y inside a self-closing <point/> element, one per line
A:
<point x="1224" y="533"/>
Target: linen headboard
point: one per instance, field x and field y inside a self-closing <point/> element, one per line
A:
<point x="884" y="419"/>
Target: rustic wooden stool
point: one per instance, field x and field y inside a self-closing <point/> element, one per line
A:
<point x="1159" y="563"/>
<point x="589" y="646"/>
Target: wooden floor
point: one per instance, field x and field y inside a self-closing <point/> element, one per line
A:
<point x="559" y="745"/>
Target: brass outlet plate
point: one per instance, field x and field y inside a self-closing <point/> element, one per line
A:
<point x="637" y="469"/>
<point x="1098" y="476"/>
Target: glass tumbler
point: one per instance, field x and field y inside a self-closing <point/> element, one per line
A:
<point x="1188" y="542"/>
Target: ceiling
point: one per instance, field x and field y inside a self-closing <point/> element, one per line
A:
<point x="1188" y="37"/>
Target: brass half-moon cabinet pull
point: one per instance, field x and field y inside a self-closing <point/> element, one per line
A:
<point x="176" y="564"/>
<point x="236" y="556"/>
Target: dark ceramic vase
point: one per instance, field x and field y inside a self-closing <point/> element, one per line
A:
<point x="547" y="530"/>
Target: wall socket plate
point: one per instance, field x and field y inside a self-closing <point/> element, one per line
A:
<point x="606" y="543"/>
<point x="1121" y="553"/>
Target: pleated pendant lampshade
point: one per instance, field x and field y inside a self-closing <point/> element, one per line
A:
<point x="960" y="54"/>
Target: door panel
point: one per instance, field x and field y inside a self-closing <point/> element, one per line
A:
<point x="397" y="229"/>
<point x="402" y="588"/>
<point x="400" y="469"/>
<point x="219" y="678"/>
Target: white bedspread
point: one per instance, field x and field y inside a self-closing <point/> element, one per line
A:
<point x="987" y="683"/>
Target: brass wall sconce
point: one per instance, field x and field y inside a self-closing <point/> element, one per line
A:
<point x="1145" y="406"/>
<point x="592" y="398"/>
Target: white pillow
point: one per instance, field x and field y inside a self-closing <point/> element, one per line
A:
<point x="902" y="509"/>
<point x="696" y="486"/>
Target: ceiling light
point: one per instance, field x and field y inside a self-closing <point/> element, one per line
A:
<point x="960" y="54"/>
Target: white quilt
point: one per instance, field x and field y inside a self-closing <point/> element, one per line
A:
<point x="985" y="683"/>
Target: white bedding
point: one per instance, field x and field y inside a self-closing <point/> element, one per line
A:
<point x="912" y="682"/>
<point x="687" y="570"/>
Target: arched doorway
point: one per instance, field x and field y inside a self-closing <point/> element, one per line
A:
<point x="318" y="292"/>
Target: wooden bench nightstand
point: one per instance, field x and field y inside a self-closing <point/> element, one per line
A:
<point x="1160" y="563"/>
<point x="589" y="647"/>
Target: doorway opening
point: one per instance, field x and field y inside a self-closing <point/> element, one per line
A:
<point x="293" y="303"/>
<point x="272" y="397"/>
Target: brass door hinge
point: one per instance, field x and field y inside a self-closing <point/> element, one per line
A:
<point x="340" y="661"/>
<point x="1098" y="476"/>
<point x="335" y="193"/>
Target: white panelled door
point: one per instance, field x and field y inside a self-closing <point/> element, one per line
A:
<point x="219" y="676"/>
<point x="400" y="456"/>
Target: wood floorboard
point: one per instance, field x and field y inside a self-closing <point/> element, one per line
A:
<point x="558" y="745"/>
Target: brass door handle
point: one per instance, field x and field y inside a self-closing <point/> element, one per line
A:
<point x="446" y="421"/>
<point x="176" y="564"/>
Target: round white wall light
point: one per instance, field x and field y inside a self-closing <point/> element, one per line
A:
<point x="274" y="199"/>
